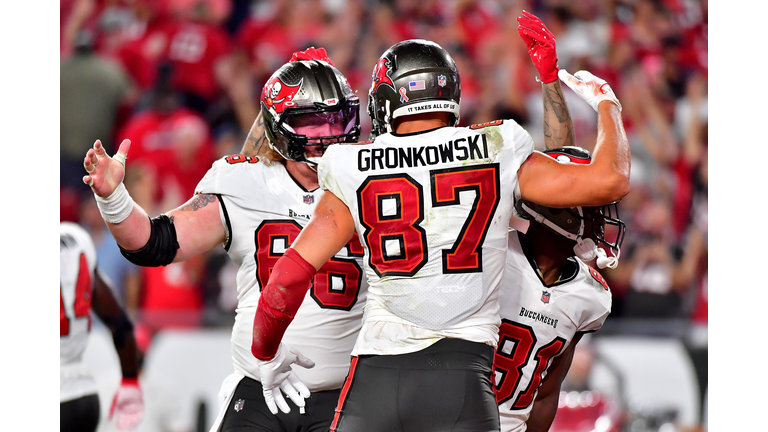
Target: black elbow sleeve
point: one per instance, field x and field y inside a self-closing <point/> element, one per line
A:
<point x="161" y="247"/>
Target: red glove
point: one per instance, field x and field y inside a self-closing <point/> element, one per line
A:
<point x="541" y="46"/>
<point x="128" y="405"/>
<point x="312" y="54"/>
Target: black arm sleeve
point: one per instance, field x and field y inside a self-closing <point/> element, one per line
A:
<point x="161" y="247"/>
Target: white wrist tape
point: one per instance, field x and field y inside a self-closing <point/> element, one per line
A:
<point x="116" y="207"/>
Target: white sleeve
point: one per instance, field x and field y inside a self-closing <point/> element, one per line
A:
<point x="84" y="242"/>
<point x="522" y="143"/>
<point x="326" y="173"/>
<point x="598" y="304"/>
<point x="211" y="181"/>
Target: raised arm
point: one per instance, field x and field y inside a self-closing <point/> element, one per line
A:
<point x="545" y="404"/>
<point x="550" y="183"/>
<point x="189" y="230"/>
<point x="541" y="44"/>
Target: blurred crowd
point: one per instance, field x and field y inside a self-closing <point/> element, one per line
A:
<point x="181" y="80"/>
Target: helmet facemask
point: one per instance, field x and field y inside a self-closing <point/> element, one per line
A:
<point x="573" y="224"/>
<point x="308" y="106"/>
<point x="322" y="126"/>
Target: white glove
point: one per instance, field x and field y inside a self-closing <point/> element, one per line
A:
<point x="589" y="87"/>
<point x="127" y="409"/>
<point x="277" y="372"/>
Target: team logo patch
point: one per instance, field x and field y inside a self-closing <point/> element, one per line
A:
<point x="278" y="95"/>
<point x="381" y="75"/>
<point x="239" y="405"/>
<point x="441" y="80"/>
<point x="545" y="296"/>
<point x="403" y="97"/>
<point x="309" y="199"/>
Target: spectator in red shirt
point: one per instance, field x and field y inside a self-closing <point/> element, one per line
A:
<point x="199" y="52"/>
<point x="173" y="139"/>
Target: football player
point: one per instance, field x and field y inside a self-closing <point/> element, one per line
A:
<point x="549" y="299"/>
<point x="255" y="206"/>
<point x="431" y="203"/>
<point x="84" y="289"/>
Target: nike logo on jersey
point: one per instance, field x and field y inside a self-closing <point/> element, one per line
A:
<point x="390" y="157"/>
<point x="538" y="317"/>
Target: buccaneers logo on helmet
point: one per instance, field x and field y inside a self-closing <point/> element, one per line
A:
<point x="277" y="94"/>
<point x="381" y="74"/>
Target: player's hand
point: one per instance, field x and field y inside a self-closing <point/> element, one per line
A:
<point x="128" y="405"/>
<point x="541" y="46"/>
<point x="277" y="374"/>
<point x="105" y="173"/>
<point x="589" y="87"/>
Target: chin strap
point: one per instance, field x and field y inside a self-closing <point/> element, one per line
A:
<point x="585" y="248"/>
<point x="604" y="261"/>
<point x="388" y="117"/>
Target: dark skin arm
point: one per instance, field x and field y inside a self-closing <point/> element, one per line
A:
<point x="106" y="307"/>
<point x="558" y="125"/>
<point x="545" y="404"/>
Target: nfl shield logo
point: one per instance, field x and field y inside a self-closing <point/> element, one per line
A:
<point x="545" y="296"/>
<point x="239" y="405"/>
<point x="441" y="80"/>
<point x="309" y="199"/>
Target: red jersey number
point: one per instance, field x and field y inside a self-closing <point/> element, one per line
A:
<point x="335" y="286"/>
<point x="510" y="365"/>
<point x="82" y="304"/>
<point x="238" y="158"/>
<point x="392" y="209"/>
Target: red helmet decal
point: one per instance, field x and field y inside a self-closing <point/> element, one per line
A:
<point x="564" y="157"/>
<point x="381" y="74"/>
<point x="277" y="94"/>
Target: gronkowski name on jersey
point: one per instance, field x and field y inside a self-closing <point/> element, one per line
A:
<point x="431" y="210"/>
<point x="263" y="210"/>
<point x="538" y="324"/>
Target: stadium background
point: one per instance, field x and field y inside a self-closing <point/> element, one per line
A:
<point x="181" y="78"/>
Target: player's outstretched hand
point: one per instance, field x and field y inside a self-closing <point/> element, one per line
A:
<point x="127" y="409"/>
<point x="105" y="173"/>
<point x="541" y="46"/>
<point x="277" y="374"/>
<point x="589" y="87"/>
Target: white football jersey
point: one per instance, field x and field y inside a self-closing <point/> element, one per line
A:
<point x="538" y="324"/>
<point x="432" y="211"/>
<point x="77" y="267"/>
<point x="263" y="209"/>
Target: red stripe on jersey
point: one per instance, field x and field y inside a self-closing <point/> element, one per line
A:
<point x="344" y="392"/>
